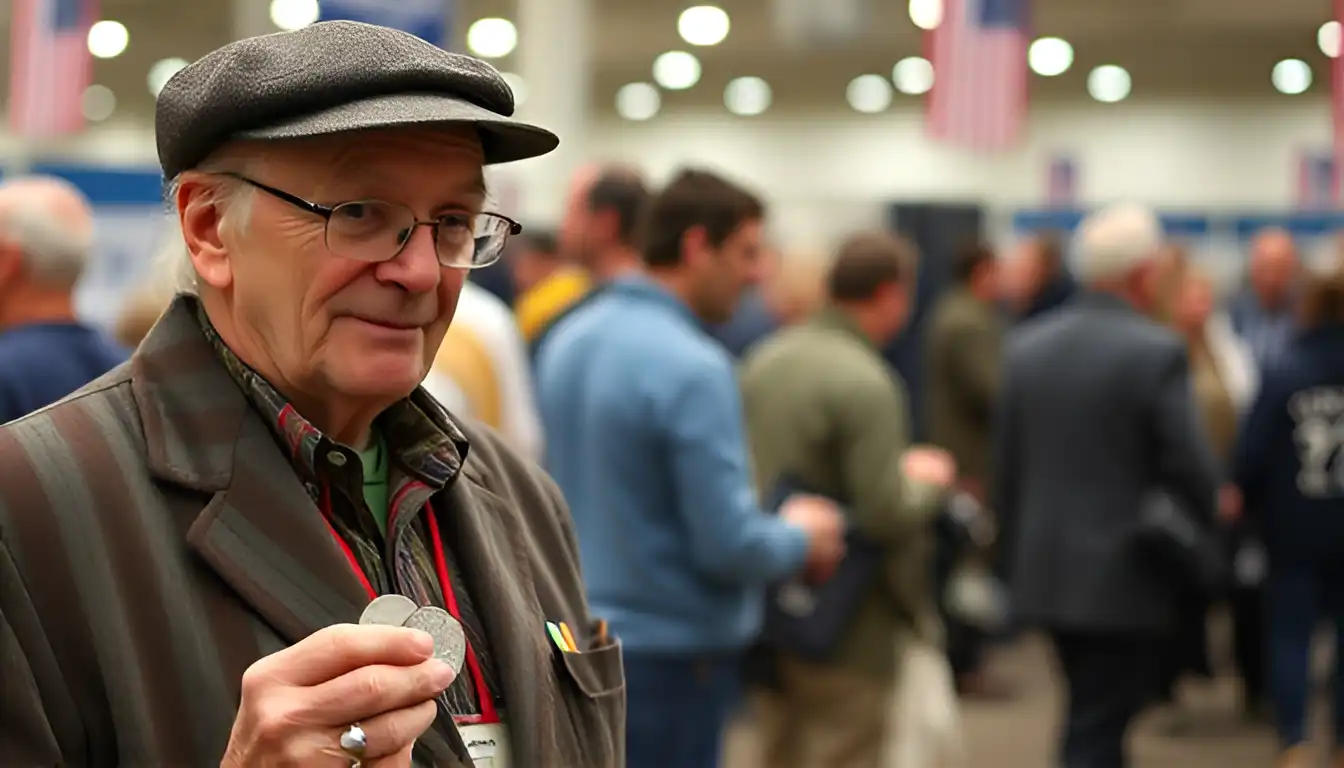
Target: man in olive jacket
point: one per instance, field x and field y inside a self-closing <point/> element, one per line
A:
<point x="964" y="359"/>
<point x="823" y="409"/>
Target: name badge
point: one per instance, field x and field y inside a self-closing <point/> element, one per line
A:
<point x="488" y="745"/>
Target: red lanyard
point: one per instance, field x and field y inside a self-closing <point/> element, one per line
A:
<point x="487" y="702"/>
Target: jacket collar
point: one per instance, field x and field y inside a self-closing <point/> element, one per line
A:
<point x="837" y="320"/>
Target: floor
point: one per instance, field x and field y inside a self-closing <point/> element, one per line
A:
<point x="1205" y="732"/>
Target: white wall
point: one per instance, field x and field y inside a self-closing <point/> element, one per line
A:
<point x="830" y="173"/>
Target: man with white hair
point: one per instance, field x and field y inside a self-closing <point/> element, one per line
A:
<point x="193" y="552"/>
<point x="1097" y="416"/>
<point x="46" y="234"/>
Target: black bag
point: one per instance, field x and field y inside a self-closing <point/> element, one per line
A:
<point x="808" y="620"/>
<point x="1186" y="550"/>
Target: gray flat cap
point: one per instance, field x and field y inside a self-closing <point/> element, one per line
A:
<point x="333" y="77"/>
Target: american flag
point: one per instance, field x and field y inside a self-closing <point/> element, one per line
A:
<point x="1337" y="101"/>
<point x="1317" y="184"/>
<point x="979" y="55"/>
<point x="1061" y="185"/>
<point x="49" y="66"/>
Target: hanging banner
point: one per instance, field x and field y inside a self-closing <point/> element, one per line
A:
<point x="1061" y="182"/>
<point x="430" y="20"/>
<point x="1317" y="180"/>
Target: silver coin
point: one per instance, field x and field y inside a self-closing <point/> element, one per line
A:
<point x="388" y="610"/>
<point x="450" y="643"/>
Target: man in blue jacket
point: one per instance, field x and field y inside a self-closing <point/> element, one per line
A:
<point x="644" y="436"/>
<point x="46" y="235"/>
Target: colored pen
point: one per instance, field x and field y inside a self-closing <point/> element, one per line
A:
<point x="569" y="637"/>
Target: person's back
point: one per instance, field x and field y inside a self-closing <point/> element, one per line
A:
<point x="41" y="363"/>
<point x="1097" y="422"/>
<point x="46" y="235"/>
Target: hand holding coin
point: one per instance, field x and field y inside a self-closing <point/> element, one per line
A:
<point x="298" y="703"/>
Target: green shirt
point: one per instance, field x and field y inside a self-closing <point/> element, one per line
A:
<point x="374" y="459"/>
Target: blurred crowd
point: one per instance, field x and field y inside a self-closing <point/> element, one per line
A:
<point x="1116" y="450"/>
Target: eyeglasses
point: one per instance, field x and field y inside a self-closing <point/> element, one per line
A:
<point x="376" y="230"/>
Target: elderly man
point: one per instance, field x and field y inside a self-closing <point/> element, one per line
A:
<point x="185" y="546"/>
<point x="46" y="233"/>
<point x="1097" y="414"/>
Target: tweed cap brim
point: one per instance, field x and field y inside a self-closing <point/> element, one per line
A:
<point x="503" y="140"/>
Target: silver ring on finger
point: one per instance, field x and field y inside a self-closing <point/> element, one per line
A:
<point x="354" y="743"/>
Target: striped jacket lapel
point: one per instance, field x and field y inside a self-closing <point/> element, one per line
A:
<point x="260" y="530"/>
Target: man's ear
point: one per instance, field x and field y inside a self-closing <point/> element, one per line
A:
<point x="200" y="211"/>
<point x="11" y="263"/>
<point x="694" y="246"/>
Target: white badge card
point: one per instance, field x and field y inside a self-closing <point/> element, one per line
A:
<point x="488" y="744"/>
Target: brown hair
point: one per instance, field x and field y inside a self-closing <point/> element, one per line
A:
<point x="865" y="263"/>
<point x="1322" y="301"/>
<point x="694" y="199"/>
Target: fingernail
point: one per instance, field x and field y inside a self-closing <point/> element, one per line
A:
<point x="444" y="674"/>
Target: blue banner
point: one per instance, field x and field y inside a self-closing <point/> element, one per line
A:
<point x="1174" y="224"/>
<point x="430" y="20"/>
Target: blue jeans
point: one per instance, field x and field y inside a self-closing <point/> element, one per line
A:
<point x="1299" y="593"/>
<point x="678" y="707"/>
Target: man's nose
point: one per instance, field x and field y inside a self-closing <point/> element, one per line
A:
<point x="416" y="268"/>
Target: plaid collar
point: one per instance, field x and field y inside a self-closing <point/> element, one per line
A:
<point x="420" y="436"/>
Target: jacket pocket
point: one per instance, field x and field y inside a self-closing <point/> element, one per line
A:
<point x="593" y="684"/>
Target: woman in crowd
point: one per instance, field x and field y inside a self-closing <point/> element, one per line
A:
<point x="1290" y="469"/>
<point x="1221" y="375"/>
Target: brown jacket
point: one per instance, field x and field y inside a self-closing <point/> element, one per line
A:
<point x="154" y="542"/>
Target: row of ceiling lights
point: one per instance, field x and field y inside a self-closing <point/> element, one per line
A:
<point x="707" y="25"/>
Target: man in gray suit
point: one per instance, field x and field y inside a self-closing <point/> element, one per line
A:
<point x="1097" y="414"/>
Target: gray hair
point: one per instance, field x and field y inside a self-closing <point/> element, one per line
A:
<point x="1114" y="241"/>
<point x="54" y="252"/>
<point x="235" y="197"/>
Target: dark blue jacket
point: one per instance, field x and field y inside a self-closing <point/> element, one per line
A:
<point x="43" y="362"/>
<point x="1290" y="454"/>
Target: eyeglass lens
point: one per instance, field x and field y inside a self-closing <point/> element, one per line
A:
<point x="374" y="230"/>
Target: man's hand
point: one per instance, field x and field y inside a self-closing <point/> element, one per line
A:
<point x="296" y="703"/>
<point x="930" y="465"/>
<point x="824" y="524"/>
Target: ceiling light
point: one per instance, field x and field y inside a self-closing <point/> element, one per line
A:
<point x="162" y="72"/>
<point x="290" y="15"/>
<point x="1050" y="56"/>
<point x="869" y="94"/>
<point x="517" y="85"/>
<point x="638" y="101"/>
<point x="703" y="25"/>
<point x="98" y="103"/>
<point x="913" y="75"/>
<point x="492" y="38"/>
<point x="676" y="70"/>
<point x="747" y="96"/>
<point x="1291" y="76"/>
<point x="1108" y="83"/>
<point x="1327" y="38"/>
<point x="107" y="39"/>
<point x="926" y="14"/>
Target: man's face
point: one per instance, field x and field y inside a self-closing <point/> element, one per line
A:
<point x="325" y="323"/>
<point x="723" y="274"/>
<point x="894" y="301"/>
<point x="1274" y="268"/>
